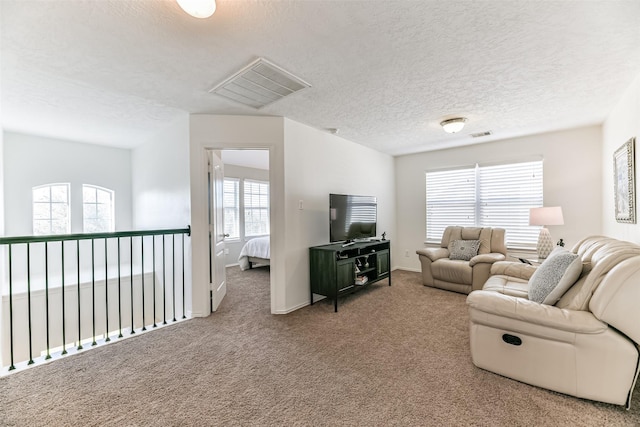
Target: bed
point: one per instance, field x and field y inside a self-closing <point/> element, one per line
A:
<point x="255" y="251"/>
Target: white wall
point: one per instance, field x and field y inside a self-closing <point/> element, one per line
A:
<point x="32" y="160"/>
<point x="572" y="179"/>
<point x="317" y="164"/>
<point x="622" y="123"/>
<point x="161" y="194"/>
<point x="2" y="180"/>
<point x="160" y="179"/>
<point x="240" y="172"/>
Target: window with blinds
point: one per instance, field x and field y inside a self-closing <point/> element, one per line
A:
<point x="232" y="207"/>
<point x="486" y="196"/>
<point x="256" y="208"/>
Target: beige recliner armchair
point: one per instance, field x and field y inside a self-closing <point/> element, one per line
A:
<point x="585" y="345"/>
<point x="441" y="270"/>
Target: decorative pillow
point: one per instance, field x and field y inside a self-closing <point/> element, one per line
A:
<point x="554" y="277"/>
<point x="463" y="249"/>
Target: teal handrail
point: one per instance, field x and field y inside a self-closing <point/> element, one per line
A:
<point x="88" y="236"/>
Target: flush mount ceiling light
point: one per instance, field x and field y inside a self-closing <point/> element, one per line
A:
<point x="198" y="8"/>
<point x="453" y="125"/>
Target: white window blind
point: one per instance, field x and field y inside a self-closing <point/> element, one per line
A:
<point x="451" y="200"/>
<point x="256" y="208"/>
<point x="97" y="209"/>
<point x="486" y="196"/>
<point x="51" y="209"/>
<point x="232" y="207"/>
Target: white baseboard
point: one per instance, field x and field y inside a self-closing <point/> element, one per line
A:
<point x="414" y="270"/>
<point x="294" y="308"/>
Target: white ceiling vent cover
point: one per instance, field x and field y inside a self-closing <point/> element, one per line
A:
<point x="481" y="134"/>
<point x="259" y="83"/>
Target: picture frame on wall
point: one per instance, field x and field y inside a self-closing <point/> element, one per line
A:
<point x="624" y="182"/>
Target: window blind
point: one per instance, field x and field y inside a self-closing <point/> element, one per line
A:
<point x="451" y="200"/>
<point x="486" y="196"/>
<point x="256" y="208"/>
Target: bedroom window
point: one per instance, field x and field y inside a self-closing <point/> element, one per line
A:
<point x="51" y="209"/>
<point x="485" y="196"/>
<point x="97" y="209"/>
<point x="232" y="207"/>
<point x="256" y="208"/>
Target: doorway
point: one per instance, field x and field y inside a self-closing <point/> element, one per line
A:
<point x="240" y="216"/>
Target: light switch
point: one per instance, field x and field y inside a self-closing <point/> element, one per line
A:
<point x="301" y="204"/>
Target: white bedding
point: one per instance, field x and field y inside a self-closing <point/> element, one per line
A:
<point x="258" y="248"/>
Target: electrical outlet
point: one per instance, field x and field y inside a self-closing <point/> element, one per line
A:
<point x="406" y="253"/>
<point x="226" y="251"/>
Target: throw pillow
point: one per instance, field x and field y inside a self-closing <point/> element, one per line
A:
<point x="463" y="249"/>
<point x="554" y="277"/>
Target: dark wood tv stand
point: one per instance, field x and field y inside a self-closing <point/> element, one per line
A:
<point x="335" y="269"/>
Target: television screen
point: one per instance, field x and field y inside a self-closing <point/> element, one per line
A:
<point x="352" y="217"/>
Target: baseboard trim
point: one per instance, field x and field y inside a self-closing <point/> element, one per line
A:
<point x="292" y="309"/>
<point x="413" y="270"/>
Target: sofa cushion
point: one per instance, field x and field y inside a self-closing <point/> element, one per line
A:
<point x="518" y="269"/>
<point x="575" y="298"/>
<point x="507" y="285"/>
<point x="554" y="276"/>
<point x="463" y="249"/>
<point x="603" y="261"/>
<point x="452" y="271"/>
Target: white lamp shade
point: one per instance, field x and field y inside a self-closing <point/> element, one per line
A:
<point x="198" y="8"/>
<point x="546" y="216"/>
<point x="453" y="125"/>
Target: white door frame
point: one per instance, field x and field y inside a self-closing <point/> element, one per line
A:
<point x="200" y="293"/>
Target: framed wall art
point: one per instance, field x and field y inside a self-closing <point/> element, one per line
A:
<point x="624" y="182"/>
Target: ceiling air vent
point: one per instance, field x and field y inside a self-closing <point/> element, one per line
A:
<point x="259" y="83"/>
<point x="481" y="134"/>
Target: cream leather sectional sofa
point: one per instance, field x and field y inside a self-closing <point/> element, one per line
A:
<point x="586" y="345"/>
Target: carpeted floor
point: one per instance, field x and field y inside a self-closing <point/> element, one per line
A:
<point x="394" y="355"/>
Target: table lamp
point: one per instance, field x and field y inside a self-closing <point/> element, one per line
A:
<point x="545" y="216"/>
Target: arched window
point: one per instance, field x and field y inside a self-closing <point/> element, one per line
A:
<point x="51" y="209"/>
<point x="97" y="209"/>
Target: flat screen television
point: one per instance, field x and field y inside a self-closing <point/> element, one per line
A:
<point x="352" y="217"/>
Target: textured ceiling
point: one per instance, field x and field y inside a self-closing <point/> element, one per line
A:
<point x="384" y="72"/>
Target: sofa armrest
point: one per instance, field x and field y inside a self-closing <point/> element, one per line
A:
<point x="434" y="253"/>
<point x="513" y="269"/>
<point x="486" y="258"/>
<point x="516" y="308"/>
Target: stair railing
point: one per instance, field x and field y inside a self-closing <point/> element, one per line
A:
<point x="62" y="291"/>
